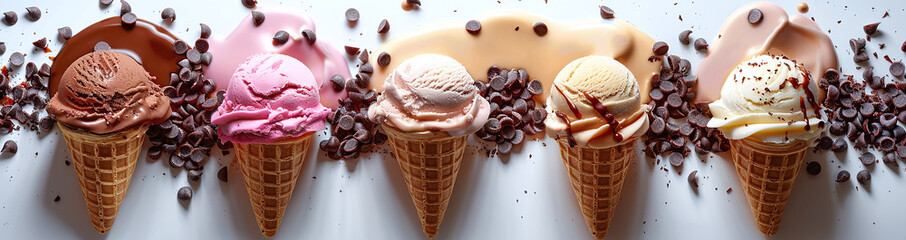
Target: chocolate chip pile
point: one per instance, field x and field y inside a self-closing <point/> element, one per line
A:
<point x="675" y="119"/>
<point x="32" y="91"/>
<point x="351" y="132"/>
<point x="514" y="113"/>
<point x="188" y="136"/>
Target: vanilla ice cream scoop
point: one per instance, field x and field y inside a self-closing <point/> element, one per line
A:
<point x="431" y="92"/>
<point x="595" y="101"/>
<point x="770" y="98"/>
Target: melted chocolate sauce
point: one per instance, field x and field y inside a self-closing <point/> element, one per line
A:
<point x="602" y="110"/>
<point x="572" y="107"/>
<point x="569" y="131"/>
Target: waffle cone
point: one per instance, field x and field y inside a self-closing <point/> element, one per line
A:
<point x="767" y="172"/>
<point x="104" y="164"/>
<point x="430" y="162"/>
<point x="597" y="175"/>
<point x="270" y="171"/>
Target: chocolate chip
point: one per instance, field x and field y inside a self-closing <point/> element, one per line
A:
<point x="10" y="146"/>
<point x="903" y="48"/>
<point x="540" y="28"/>
<point x="888" y="121"/>
<point x="350" y="50"/>
<point x="168" y="14"/>
<point x="857" y="45"/>
<point x="867" y="158"/>
<point x="813" y="168"/>
<point x="205" y="30"/>
<point x="755" y="16"/>
<point x="535" y="87"/>
<point x="184" y="193"/>
<point x="606" y="12"/>
<point x="693" y="179"/>
<point x="129" y="19"/>
<point x="684" y="37"/>
<point x="249" y="3"/>
<point x="194" y="56"/>
<point x="383" y="59"/>
<point x="194" y="175"/>
<point x="890" y="159"/>
<point x="863" y="176"/>
<point x="101" y="46"/>
<point x="338" y="82"/>
<point x="223" y="174"/>
<point x="281" y="37"/>
<point x="473" y="26"/>
<point x="840" y="145"/>
<point x="2" y="48"/>
<point x="897" y="69"/>
<point x="17" y="59"/>
<point x="46" y="124"/>
<point x="886" y="144"/>
<point x="676" y="159"/>
<point x="42" y="43"/>
<point x="842" y="176"/>
<point x="202" y="45"/>
<point x="867" y="109"/>
<point x="10" y="18"/>
<point x="257" y="18"/>
<point x="414" y="2"/>
<point x="383" y="27"/>
<point x="64" y="32"/>
<point x="660" y="48"/>
<point x="56" y="199"/>
<point x="34" y="13"/>
<point x="176" y="161"/>
<point x="352" y="15"/>
<point x="106" y="2"/>
<point x="346" y="122"/>
<point x="901" y="151"/>
<point x="350" y="145"/>
<point x="197" y="155"/>
<point x="871" y="28"/>
<point x="700" y="44"/>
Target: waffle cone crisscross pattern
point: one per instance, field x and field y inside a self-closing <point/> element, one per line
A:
<point x="430" y="162"/>
<point x="597" y="175"/>
<point x="270" y="171"/>
<point x="104" y="164"/>
<point x="767" y="172"/>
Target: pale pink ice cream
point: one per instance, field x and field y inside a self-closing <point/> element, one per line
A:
<point x="323" y="60"/>
<point x="431" y="92"/>
<point x="270" y="97"/>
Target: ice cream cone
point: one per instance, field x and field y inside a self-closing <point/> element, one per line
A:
<point x="104" y="164"/>
<point x="430" y="162"/>
<point x="270" y="171"/>
<point x="767" y="172"/>
<point x="597" y="176"/>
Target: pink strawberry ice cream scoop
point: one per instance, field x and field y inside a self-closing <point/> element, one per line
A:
<point x="270" y="97"/>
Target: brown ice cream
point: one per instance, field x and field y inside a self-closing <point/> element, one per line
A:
<point x="104" y="92"/>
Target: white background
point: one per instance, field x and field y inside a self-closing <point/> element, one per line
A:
<point x="523" y="196"/>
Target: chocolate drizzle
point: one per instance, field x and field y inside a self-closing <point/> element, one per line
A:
<point x="150" y="44"/>
<point x="572" y="107"/>
<point x="569" y="131"/>
<point x="608" y="118"/>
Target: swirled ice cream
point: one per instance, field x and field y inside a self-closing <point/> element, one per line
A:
<point x="595" y="102"/>
<point x="770" y="98"/>
<point x="431" y="92"/>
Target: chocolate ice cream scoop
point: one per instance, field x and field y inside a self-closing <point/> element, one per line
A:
<point x="104" y="92"/>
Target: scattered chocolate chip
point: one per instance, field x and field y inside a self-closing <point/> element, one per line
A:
<point x="249" y="3"/>
<point x="693" y="179"/>
<point x="129" y="19"/>
<point x="350" y="50"/>
<point x="10" y="146"/>
<point x="660" y="48"/>
<point x="473" y="26"/>
<point x="223" y="174"/>
<point x="194" y="56"/>
<point x="106" y="2"/>
<point x="606" y="12"/>
<point x="64" y="32"/>
<point x="414" y="2"/>
<point x="125" y="8"/>
<point x="863" y="177"/>
<point x="17" y="59"/>
<point x="384" y="26"/>
<point x="205" y="31"/>
<point x="281" y="37"/>
<point x="842" y="176"/>
<point x="840" y="145"/>
<point x="755" y="16"/>
<point x="897" y="69"/>
<point x="184" y="193"/>
<point x="10" y="18"/>
<point x="176" y="161"/>
<point x="309" y="36"/>
<point x="383" y="59"/>
<point x="34" y="13"/>
<point x="871" y="28"/>
<point x="540" y="28"/>
<point x="700" y="44"/>
<point x="168" y="14"/>
<point x="194" y="175"/>
<point x="42" y="43"/>
<point x="684" y="37"/>
<point x="352" y="15"/>
<point x="903" y="48"/>
<point x="813" y="168"/>
<point x="857" y="45"/>
<point x="101" y="46"/>
<point x="890" y="159"/>
<point x="257" y="18"/>
<point x="676" y="159"/>
<point x="2" y="48"/>
<point x="46" y="124"/>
